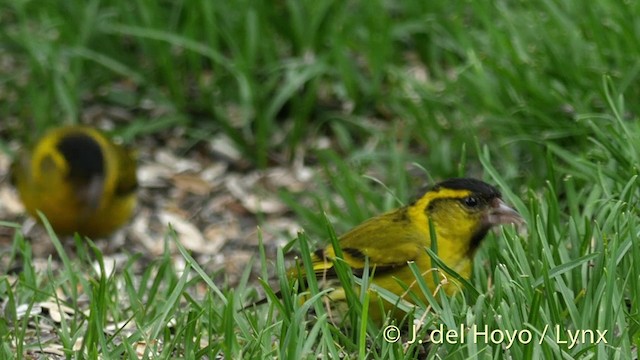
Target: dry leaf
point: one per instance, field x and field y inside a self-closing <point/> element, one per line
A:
<point x="10" y="203"/>
<point x="56" y="310"/>
<point x="222" y="145"/>
<point x="192" y="183"/>
<point x="242" y="189"/>
<point x="177" y="164"/>
<point x="188" y="233"/>
<point x="153" y="175"/>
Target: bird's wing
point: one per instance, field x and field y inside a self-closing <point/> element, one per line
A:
<point x="388" y="240"/>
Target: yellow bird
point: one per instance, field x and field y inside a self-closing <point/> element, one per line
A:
<point x="79" y="179"/>
<point x="461" y="212"/>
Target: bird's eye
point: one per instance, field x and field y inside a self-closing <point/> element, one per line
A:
<point x="471" y="201"/>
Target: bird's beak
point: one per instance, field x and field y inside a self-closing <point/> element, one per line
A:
<point x="501" y="214"/>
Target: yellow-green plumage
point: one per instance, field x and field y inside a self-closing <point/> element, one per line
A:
<point x="79" y="179"/>
<point x="461" y="211"/>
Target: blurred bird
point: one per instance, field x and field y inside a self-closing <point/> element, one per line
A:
<point x="79" y="179"/>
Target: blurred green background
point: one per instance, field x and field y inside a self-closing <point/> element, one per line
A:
<point x="514" y="75"/>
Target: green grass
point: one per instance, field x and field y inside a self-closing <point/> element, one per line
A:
<point x="536" y="97"/>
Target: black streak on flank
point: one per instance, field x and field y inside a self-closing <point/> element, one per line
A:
<point x="320" y="254"/>
<point x="377" y="270"/>
<point x="354" y="253"/>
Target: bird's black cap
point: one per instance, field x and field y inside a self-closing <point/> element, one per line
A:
<point x="477" y="187"/>
<point x="84" y="156"/>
